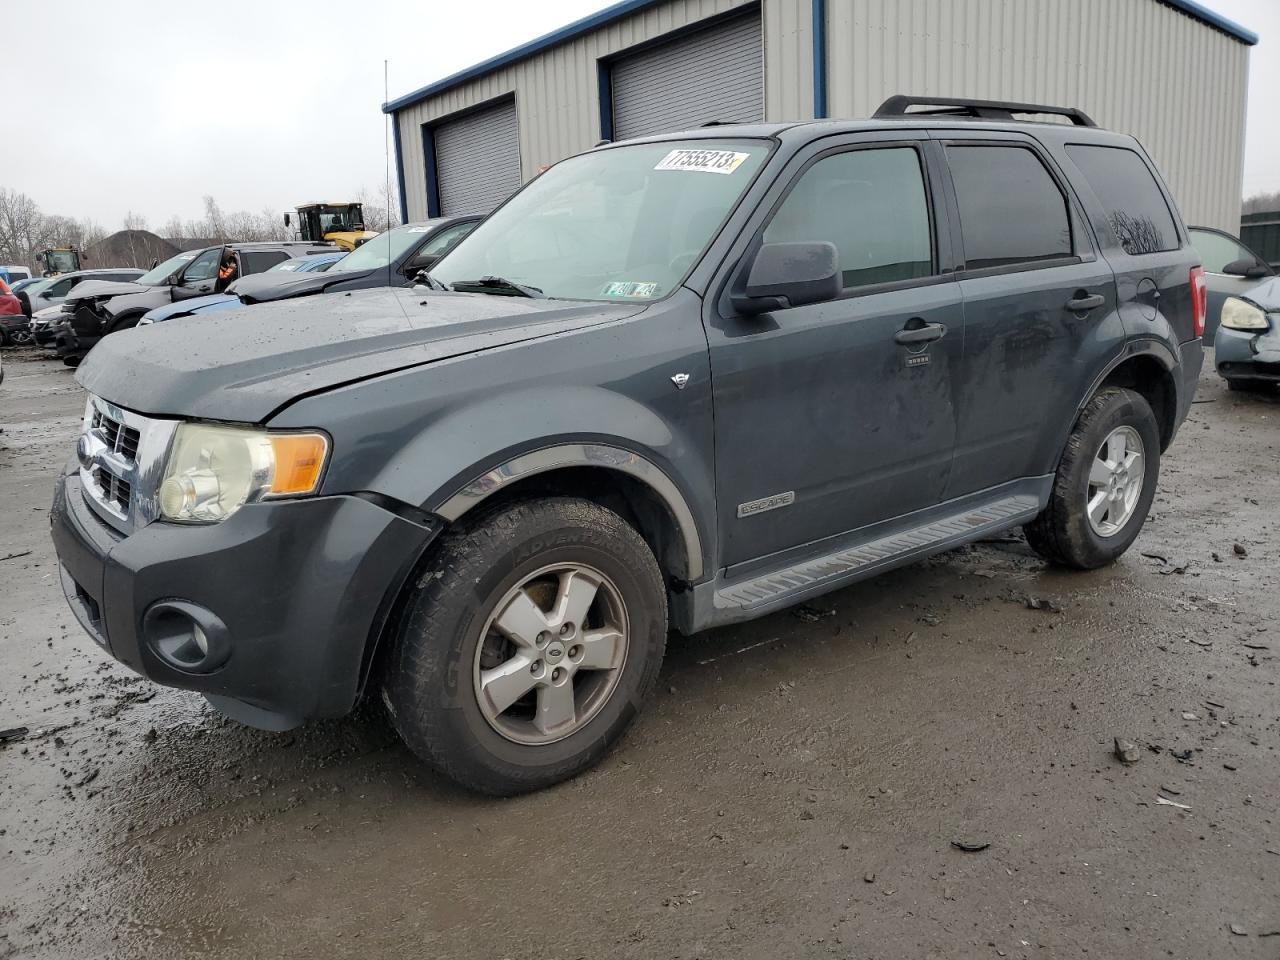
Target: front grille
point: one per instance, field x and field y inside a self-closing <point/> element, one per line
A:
<point x="115" y="434"/>
<point x="114" y="490"/>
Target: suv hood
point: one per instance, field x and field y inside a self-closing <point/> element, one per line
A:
<point x="247" y="364"/>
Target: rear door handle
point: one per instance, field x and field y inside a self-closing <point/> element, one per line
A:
<point x="920" y="334"/>
<point x="1086" y="303"/>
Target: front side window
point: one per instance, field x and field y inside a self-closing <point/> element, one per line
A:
<point x="872" y="205"/>
<point x="446" y="239"/>
<point x="203" y="267"/>
<point x="624" y="223"/>
<point x="1011" y="210"/>
<point x="381" y="250"/>
<point x="63" y="286"/>
<point x="1137" y="215"/>
<point x="1217" y="250"/>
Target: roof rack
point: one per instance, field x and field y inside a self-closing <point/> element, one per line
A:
<point x="896" y="108"/>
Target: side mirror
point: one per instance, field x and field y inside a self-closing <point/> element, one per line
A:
<point x="786" y="275"/>
<point x="1249" y="269"/>
<point x="288" y="221"/>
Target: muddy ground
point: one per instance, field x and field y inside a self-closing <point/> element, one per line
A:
<point x="793" y="791"/>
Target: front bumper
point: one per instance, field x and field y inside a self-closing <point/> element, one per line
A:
<point x="1248" y="355"/>
<point x="301" y="588"/>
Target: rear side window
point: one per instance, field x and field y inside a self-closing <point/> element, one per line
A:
<point x="259" y="261"/>
<point x="871" y="204"/>
<point x="1011" y="210"/>
<point x="1137" y="216"/>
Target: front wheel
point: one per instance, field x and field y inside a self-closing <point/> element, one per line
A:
<point x="528" y="648"/>
<point x="1104" y="484"/>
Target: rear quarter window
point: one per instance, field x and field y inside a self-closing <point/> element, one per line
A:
<point x="1137" y="215"/>
<point x="259" y="261"/>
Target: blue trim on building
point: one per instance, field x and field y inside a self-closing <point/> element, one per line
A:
<point x="404" y="203"/>
<point x="429" y="165"/>
<point x="1205" y="15"/>
<point x="819" y="59"/>
<point x="604" y="80"/>
<point x="574" y="30"/>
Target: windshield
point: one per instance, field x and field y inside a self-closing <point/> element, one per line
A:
<point x="35" y="287"/>
<point x="381" y="250"/>
<point x="158" y="275"/>
<point x="293" y="264"/>
<point x="626" y="223"/>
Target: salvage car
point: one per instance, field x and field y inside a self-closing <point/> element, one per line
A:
<point x="1230" y="268"/>
<point x="391" y="259"/>
<point x="313" y="264"/>
<point x="685" y="380"/>
<point x="97" y="308"/>
<point x="52" y="291"/>
<point x="1246" y="349"/>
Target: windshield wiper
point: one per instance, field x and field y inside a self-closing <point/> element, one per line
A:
<point x="498" y="285"/>
<point x="424" y="276"/>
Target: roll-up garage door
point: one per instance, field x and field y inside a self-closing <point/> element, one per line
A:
<point x="713" y="74"/>
<point x="477" y="160"/>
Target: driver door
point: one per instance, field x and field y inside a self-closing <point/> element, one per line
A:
<point x="828" y="418"/>
<point x="200" y="277"/>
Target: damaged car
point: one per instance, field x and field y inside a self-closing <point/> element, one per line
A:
<point x="1246" y="348"/>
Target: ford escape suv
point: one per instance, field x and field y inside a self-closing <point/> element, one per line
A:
<point x="679" y="381"/>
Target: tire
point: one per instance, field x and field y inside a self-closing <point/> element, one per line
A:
<point x="448" y="641"/>
<point x="1065" y="533"/>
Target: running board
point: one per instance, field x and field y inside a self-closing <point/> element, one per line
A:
<point x="753" y="597"/>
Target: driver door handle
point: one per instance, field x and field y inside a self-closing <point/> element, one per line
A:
<point x="920" y="334"/>
<point x="1086" y="303"/>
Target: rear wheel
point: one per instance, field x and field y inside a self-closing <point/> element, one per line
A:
<point x="1104" y="484"/>
<point x="528" y="650"/>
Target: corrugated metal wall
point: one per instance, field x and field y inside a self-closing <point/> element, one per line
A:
<point x="1135" y="66"/>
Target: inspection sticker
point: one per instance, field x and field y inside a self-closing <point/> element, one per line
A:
<point x="630" y="288"/>
<point x="703" y="161"/>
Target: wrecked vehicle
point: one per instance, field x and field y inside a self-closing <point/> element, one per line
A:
<point x="96" y="308"/>
<point x="685" y="381"/>
<point x="1246" y="349"/>
<point x="391" y="259"/>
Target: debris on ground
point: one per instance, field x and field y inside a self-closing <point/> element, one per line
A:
<point x="15" y="556"/>
<point x="1187" y="715"/>
<point x="1041" y="603"/>
<point x="971" y="846"/>
<point x="1126" y="751"/>
<point x="1239" y="550"/>
<point x="1165" y="802"/>
<point x="811" y="614"/>
<point x="1238" y="930"/>
<point x="868" y="877"/>
<point x="13" y="734"/>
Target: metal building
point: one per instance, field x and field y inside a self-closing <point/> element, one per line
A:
<point x="1170" y="72"/>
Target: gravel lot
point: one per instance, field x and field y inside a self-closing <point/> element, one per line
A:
<point x="794" y="790"/>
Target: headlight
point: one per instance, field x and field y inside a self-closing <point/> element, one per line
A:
<point x="1240" y="315"/>
<point x="215" y="470"/>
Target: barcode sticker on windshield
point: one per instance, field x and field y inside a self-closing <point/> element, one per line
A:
<point x="630" y="288"/>
<point x="703" y="161"/>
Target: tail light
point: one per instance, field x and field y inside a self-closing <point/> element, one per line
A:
<point x="1199" y="301"/>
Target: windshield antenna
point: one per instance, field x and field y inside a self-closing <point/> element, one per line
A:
<point x="386" y="149"/>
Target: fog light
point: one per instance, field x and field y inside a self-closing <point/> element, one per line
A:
<point x="186" y="636"/>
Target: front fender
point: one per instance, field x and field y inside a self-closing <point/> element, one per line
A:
<point x="602" y="396"/>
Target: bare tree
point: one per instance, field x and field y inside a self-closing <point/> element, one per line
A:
<point x="134" y="221"/>
<point x="1262" y="203"/>
<point x="22" y="227"/>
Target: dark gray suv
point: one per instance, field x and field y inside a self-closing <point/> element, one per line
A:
<point x="680" y="381"/>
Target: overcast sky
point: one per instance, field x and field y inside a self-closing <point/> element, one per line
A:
<point x="148" y="107"/>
